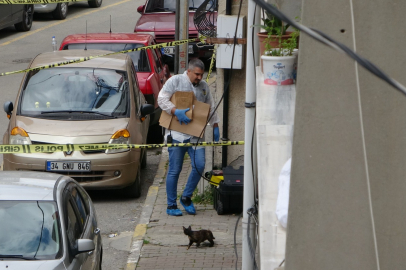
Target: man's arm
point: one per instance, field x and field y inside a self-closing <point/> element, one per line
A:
<point x="164" y="97"/>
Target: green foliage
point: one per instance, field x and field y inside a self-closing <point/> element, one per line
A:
<point x="146" y="242"/>
<point x="275" y="29"/>
<point x="205" y="198"/>
<point x="286" y="46"/>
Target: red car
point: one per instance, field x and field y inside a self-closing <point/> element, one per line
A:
<point x="158" y="17"/>
<point x="152" y="73"/>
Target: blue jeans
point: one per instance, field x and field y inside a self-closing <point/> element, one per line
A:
<point x="176" y="155"/>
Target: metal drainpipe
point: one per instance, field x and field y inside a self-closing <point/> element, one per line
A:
<point x="224" y="153"/>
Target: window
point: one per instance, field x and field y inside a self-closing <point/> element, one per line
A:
<point x="135" y="89"/>
<point x="74" y="230"/>
<point x="30" y="229"/>
<point x="157" y="63"/>
<point x="80" y="206"/>
<point x="140" y="58"/>
<point x="69" y="92"/>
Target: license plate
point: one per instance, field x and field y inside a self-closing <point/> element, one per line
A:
<point x="68" y="166"/>
<point x="171" y="50"/>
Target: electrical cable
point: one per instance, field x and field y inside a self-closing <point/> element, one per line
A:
<point x="325" y="39"/>
<point x="235" y="240"/>
<point x="251" y="212"/>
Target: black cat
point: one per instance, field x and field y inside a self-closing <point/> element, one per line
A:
<point x="198" y="236"/>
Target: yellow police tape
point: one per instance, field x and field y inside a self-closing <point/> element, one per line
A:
<point x="50" y="148"/>
<point x="22" y="2"/>
<point x="83" y="59"/>
<point x="212" y="63"/>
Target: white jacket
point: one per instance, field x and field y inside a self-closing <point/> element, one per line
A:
<point x="181" y="82"/>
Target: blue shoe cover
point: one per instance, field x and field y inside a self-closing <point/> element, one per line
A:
<point x="189" y="209"/>
<point x="174" y="212"/>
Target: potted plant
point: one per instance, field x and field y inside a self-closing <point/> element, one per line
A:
<point x="279" y="62"/>
<point x="275" y="32"/>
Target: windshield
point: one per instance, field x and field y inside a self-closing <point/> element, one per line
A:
<point x="29" y="229"/>
<point x="75" y="94"/>
<point x="170" y="5"/>
<point x="140" y="58"/>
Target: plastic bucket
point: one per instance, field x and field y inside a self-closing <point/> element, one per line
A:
<point x="279" y="70"/>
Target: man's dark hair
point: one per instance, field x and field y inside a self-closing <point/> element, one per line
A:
<point x="196" y="63"/>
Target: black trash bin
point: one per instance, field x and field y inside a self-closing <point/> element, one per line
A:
<point x="228" y="195"/>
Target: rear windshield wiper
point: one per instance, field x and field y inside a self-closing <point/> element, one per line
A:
<point x="17" y="257"/>
<point x="70" y="111"/>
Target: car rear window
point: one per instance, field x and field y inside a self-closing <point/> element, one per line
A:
<point x="30" y="229"/>
<point x="140" y="58"/>
<point x="170" y="5"/>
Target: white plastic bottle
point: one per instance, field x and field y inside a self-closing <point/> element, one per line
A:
<point x="54" y="45"/>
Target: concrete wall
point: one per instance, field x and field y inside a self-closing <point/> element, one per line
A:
<point x="348" y="183"/>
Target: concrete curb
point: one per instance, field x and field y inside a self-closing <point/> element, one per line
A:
<point x="141" y="229"/>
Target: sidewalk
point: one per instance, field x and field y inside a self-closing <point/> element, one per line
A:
<point x="161" y="242"/>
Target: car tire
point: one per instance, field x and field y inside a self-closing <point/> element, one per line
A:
<point x="61" y="11"/>
<point x="28" y="16"/>
<point x="144" y="160"/>
<point x="134" y="191"/>
<point x="220" y="207"/>
<point x="95" y="3"/>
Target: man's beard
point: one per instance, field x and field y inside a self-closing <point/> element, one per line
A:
<point x="196" y="84"/>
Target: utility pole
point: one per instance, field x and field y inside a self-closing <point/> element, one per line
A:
<point x="181" y="32"/>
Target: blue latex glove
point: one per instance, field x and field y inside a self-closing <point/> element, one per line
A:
<point x="216" y="133"/>
<point x="181" y="115"/>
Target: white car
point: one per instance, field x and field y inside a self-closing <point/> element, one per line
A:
<point x="60" y="11"/>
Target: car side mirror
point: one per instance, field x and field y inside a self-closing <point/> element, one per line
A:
<point x="84" y="245"/>
<point x="8" y="108"/>
<point x="147" y="109"/>
<point x="140" y="9"/>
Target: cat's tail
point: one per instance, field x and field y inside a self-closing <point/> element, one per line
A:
<point x="211" y="234"/>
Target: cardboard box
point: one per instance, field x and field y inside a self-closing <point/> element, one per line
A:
<point x="199" y="115"/>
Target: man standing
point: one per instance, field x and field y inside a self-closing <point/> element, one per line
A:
<point x="190" y="80"/>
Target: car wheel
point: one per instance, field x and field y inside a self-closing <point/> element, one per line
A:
<point x="144" y="160"/>
<point x="134" y="191"/>
<point x="61" y="11"/>
<point x="95" y="3"/>
<point x="220" y="208"/>
<point x="28" y="15"/>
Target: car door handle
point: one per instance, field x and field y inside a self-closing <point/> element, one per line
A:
<point x="97" y="231"/>
<point x="90" y="252"/>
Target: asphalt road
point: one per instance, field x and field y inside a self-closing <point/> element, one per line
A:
<point x="117" y="216"/>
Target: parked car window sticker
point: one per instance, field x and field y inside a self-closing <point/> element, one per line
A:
<point x="20" y="234"/>
<point x="102" y="92"/>
<point x="170" y="5"/>
<point x="140" y="58"/>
